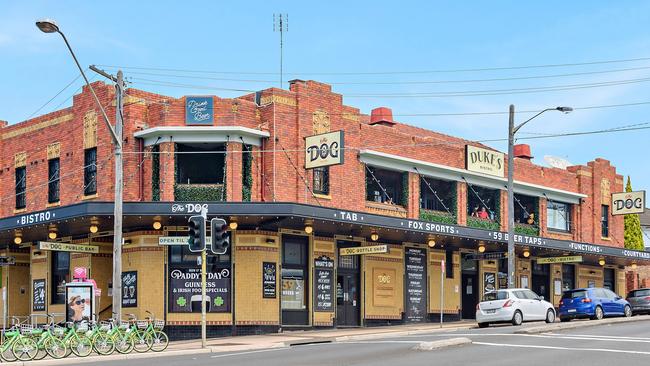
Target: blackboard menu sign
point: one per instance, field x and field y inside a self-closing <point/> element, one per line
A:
<point x="38" y="303"/>
<point x="130" y="289"/>
<point x="416" y="285"/>
<point x="324" y="290"/>
<point x="489" y="282"/>
<point x="269" y="280"/>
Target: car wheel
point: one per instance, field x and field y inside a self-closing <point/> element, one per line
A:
<point x="550" y="316"/>
<point x="627" y="311"/>
<point x="483" y="325"/>
<point x="598" y="313"/>
<point x="517" y="318"/>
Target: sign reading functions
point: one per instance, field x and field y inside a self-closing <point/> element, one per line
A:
<point x="63" y="247"/>
<point x="374" y="249"/>
<point x="626" y="203"/>
<point x="198" y="111"/>
<point x="484" y="161"/>
<point x="324" y="150"/>
<point x="551" y="260"/>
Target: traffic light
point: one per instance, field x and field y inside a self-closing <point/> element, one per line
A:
<point x="220" y="236"/>
<point x="196" y="229"/>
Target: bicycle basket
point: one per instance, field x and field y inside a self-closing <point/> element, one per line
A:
<point x="26" y="329"/>
<point x="159" y="324"/>
<point x="142" y="324"/>
<point x="58" y="331"/>
<point x="104" y="326"/>
<point x="124" y="325"/>
<point x="82" y="327"/>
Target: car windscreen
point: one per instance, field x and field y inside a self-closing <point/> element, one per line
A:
<point x="574" y="294"/>
<point x="639" y="293"/>
<point x="495" y="295"/>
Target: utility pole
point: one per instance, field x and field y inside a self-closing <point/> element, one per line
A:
<point x="511" y="204"/>
<point x="119" y="186"/>
<point x="204" y="281"/>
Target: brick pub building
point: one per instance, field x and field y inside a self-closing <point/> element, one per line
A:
<point x="420" y="200"/>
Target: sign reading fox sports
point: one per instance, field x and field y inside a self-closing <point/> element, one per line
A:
<point x="324" y="149"/>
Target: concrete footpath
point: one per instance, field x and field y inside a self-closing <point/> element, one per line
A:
<point x="266" y="341"/>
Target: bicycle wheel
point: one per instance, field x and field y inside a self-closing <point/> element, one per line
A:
<point x="25" y="349"/>
<point x="55" y="347"/>
<point x="123" y="342"/>
<point x="142" y="341"/>
<point x="6" y="352"/>
<point x="81" y="346"/>
<point x="42" y="352"/>
<point x="160" y="341"/>
<point x="103" y="344"/>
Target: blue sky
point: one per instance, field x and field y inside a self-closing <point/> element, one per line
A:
<point x="327" y="39"/>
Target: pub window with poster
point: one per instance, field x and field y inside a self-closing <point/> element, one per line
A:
<point x="184" y="277"/>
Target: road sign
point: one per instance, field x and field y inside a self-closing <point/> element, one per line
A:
<point x="7" y="261"/>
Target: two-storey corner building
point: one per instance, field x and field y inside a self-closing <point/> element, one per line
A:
<point x="337" y="218"/>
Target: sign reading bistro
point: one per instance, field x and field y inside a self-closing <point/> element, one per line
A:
<point x="625" y="203"/>
<point x="324" y="150"/>
<point x="484" y="161"/>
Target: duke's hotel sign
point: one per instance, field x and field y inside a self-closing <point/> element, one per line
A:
<point x="484" y="161"/>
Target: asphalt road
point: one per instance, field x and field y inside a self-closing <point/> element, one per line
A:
<point x="616" y="344"/>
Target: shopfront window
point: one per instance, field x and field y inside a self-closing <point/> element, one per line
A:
<point x="558" y="215"/>
<point x="185" y="281"/>
<point x="200" y="163"/>
<point x="384" y="186"/>
<point x="295" y="280"/>
<point x="60" y="275"/>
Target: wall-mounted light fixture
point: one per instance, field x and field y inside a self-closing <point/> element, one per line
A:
<point x="633" y="265"/>
<point x="601" y="261"/>
<point x="233" y="223"/>
<point x="309" y="226"/>
<point x="94" y="225"/>
<point x="481" y="248"/>
<point x="156" y="223"/>
<point x="52" y="232"/>
<point x="18" y="237"/>
<point x="431" y="242"/>
<point x="526" y="253"/>
<point x="374" y="236"/>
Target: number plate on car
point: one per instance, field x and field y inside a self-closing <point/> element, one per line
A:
<point x="490" y="311"/>
<point x="571" y="310"/>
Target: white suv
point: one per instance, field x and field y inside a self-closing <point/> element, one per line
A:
<point x="513" y="305"/>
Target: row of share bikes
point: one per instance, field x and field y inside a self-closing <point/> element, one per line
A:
<point x="25" y="341"/>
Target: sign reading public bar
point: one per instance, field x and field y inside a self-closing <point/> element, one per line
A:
<point x="323" y="284"/>
<point x="626" y="203"/>
<point x="324" y="150"/>
<point x="484" y="161"/>
<point x="198" y="110"/>
<point x="185" y="290"/>
<point x="416" y="279"/>
<point x="269" y="280"/>
<point x="63" y="247"/>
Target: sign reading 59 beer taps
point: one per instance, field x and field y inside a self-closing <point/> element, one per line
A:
<point x="324" y="150"/>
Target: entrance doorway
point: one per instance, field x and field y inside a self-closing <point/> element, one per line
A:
<point x="568" y="277"/>
<point x="609" y="281"/>
<point x="541" y="280"/>
<point x="348" y="288"/>
<point x="295" y="280"/>
<point x="469" y="286"/>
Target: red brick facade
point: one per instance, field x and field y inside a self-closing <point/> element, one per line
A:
<point x="289" y="116"/>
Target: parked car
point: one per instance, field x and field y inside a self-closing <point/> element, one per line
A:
<point x="594" y="303"/>
<point x="639" y="301"/>
<point x="513" y="306"/>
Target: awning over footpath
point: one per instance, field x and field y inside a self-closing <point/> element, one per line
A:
<point x="74" y="219"/>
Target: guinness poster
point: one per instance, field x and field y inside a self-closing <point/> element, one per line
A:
<point x="185" y="290"/>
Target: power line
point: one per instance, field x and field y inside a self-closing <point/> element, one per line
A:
<point x="54" y="97"/>
<point x="479" y="69"/>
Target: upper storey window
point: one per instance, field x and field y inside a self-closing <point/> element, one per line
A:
<point x="384" y="186"/>
<point x="558" y="216"/>
<point x="200" y="163"/>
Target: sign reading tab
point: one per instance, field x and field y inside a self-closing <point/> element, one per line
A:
<point x="484" y="161"/>
<point x="374" y="249"/>
<point x="324" y="150"/>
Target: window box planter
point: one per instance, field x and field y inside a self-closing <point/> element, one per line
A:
<point x="525" y="229"/>
<point x="199" y="192"/>
<point x="437" y="216"/>
<point x="482" y="223"/>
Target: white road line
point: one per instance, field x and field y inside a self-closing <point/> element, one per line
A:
<point x="544" y="335"/>
<point x="598" y="336"/>
<point x="373" y="342"/>
<point x="250" y="352"/>
<point x="562" y="348"/>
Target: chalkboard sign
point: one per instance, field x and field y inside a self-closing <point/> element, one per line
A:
<point x="489" y="282"/>
<point x="323" y="289"/>
<point x="269" y="280"/>
<point x="416" y="285"/>
<point x="130" y="289"/>
<point x="38" y="303"/>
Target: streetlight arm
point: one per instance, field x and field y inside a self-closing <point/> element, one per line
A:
<point x="116" y="140"/>
<point x="530" y="119"/>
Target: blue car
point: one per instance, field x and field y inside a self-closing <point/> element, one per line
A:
<point x="594" y="303"/>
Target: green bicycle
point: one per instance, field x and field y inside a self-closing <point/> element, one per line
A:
<point x="76" y="340"/>
<point x="142" y="340"/>
<point x="48" y="340"/>
<point x="102" y="343"/>
<point x="18" y="344"/>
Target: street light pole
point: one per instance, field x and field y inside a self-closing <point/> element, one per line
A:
<point x="512" y="130"/>
<point x="50" y="26"/>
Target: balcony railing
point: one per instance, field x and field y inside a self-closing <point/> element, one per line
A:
<point x="199" y="192"/>
<point x="442" y="217"/>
